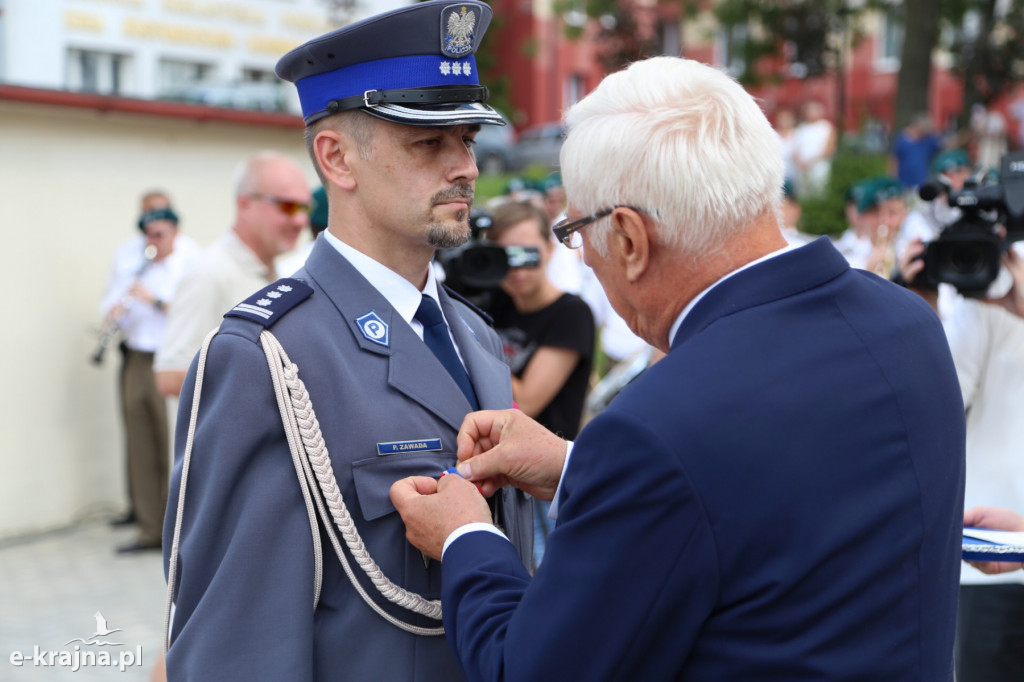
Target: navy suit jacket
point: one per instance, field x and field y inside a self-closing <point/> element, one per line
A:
<point x="779" y="498"/>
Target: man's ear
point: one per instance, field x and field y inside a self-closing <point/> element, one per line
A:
<point x="334" y="151"/>
<point x="631" y="242"/>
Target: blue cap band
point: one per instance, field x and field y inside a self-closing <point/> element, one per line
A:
<point x="396" y="73"/>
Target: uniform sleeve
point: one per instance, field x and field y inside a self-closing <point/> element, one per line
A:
<point x="630" y="567"/>
<point x="244" y="603"/>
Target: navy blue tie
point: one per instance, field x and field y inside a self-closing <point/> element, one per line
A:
<point x="435" y="335"/>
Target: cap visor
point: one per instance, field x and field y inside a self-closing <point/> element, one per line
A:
<point x="438" y="115"/>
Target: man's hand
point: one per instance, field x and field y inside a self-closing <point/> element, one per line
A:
<point x="995" y="519"/>
<point x="499" y="448"/>
<point x="1015" y="265"/>
<point x="433" y="509"/>
<point x="910" y="262"/>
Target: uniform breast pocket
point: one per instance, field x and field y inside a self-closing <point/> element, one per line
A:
<point x="373" y="477"/>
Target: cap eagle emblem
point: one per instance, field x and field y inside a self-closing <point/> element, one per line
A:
<point x="460" y="30"/>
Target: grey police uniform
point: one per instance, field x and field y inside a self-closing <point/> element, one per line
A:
<point x="244" y="602"/>
<point x="244" y="589"/>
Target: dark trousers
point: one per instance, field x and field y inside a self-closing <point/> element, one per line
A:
<point x="147" y="442"/>
<point x="990" y="633"/>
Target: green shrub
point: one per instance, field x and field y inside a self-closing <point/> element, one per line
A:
<point x="825" y="214"/>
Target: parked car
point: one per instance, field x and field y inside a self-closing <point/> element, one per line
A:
<point x="493" y="148"/>
<point x="538" y="145"/>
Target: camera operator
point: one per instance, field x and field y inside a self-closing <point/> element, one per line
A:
<point x="986" y="337"/>
<point x="950" y="170"/>
<point x="547" y="334"/>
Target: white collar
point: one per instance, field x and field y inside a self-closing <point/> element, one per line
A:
<point x="399" y="292"/>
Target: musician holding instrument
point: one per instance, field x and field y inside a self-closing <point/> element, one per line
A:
<point x="143" y="280"/>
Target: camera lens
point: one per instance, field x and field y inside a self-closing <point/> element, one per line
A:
<point x="483" y="266"/>
<point x="968" y="259"/>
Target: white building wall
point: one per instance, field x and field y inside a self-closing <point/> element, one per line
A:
<point x="70" y="181"/>
<point x="230" y="34"/>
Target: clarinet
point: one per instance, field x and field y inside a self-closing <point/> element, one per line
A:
<point x="112" y="325"/>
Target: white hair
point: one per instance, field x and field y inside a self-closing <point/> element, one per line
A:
<point x="679" y="140"/>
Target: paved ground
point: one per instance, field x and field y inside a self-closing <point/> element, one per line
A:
<point x="51" y="587"/>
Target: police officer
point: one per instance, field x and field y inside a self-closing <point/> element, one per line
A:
<point x="392" y="362"/>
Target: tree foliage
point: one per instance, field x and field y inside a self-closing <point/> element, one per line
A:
<point x="808" y="34"/>
<point x="620" y="38"/>
<point x="984" y="37"/>
<point x="988" y="47"/>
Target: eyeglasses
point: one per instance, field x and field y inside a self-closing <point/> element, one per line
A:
<point x="286" y="206"/>
<point x="568" y="231"/>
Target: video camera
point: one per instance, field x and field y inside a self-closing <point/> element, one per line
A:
<point x="967" y="252"/>
<point x="476" y="268"/>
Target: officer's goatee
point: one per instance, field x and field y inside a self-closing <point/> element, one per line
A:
<point x="446" y="235"/>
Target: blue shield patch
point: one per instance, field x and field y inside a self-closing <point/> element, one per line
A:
<point x="374" y="328"/>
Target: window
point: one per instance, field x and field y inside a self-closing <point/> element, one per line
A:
<point x="104" y="73"/>
<point x="731" y="43"/>
<point x="259" y="76"/>
<point x="574" y="90"/>
<point x="176" y="75"/>
<point x="670" y="41"/>
<point x="891" y="45"/>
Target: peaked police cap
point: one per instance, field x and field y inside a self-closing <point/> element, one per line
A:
<point x="414" y="65"/>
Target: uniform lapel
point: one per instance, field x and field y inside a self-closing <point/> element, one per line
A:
<point x="412" y="368"/>
<point x="489" y="375"/>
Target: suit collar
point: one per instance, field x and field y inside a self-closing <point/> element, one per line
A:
<point x="778" y="277"/>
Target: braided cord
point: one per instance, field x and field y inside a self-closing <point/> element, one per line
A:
<point x="298" y="415"/>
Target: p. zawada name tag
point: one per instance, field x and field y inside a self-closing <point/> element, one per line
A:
<point x="399" y="446"/>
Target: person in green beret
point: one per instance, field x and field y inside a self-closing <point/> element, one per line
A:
<point x="883" y="210"/>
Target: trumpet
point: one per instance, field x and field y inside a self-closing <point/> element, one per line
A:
<point x="112" y="324"/>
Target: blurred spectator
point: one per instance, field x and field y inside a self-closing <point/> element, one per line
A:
<point x="850" y="244"/>
<point x="554" y="197"/>
<point x="1016" y="109"/>
<point x="785" y="126"/>
<point x="815" y="142"/>
<point x="988" y="130"/>
<point x="950" y="168"/>
<point x="913" y="150"/>
<point x="547" y="334"/>
<point x="791" y="212"/>
<point x="289" y="264"/>
<point x="986" y="338"/>
<point x="882" y="209"/>
<point x="143" y="281"/>
<point x="272" y="206"/>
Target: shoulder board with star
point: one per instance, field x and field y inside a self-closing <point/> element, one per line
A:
<point x="270" y="303"/>
<point x="469" y="304"/>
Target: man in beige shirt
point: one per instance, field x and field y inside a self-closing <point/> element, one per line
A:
<point x="272" y="200"/>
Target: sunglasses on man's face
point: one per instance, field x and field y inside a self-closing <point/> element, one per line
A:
<point x="286" y="206"/>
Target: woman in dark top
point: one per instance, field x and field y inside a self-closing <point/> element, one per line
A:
<point x="548" y="335"/>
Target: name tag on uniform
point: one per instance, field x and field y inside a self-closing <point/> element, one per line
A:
<point x="400" y="446"/>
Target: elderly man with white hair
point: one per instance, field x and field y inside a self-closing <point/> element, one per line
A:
<point x="779" y="498"/>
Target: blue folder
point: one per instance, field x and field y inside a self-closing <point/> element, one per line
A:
<point x="983" y="544"/>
